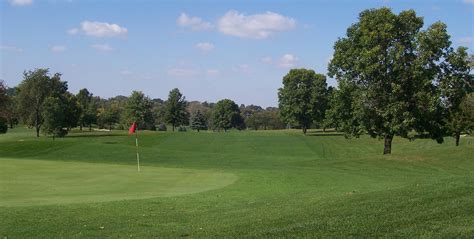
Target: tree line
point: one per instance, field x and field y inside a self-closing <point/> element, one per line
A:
<point x="395" y="78"/>
<point x="42" y="101"/>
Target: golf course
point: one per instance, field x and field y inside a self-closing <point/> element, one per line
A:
<point x="236" y="184"/>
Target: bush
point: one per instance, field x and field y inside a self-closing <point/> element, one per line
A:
<point x="162" y="127"/>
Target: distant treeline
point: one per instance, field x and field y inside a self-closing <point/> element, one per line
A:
<point x="43" y="101"/>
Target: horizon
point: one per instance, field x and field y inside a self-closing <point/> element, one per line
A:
<point x="210" y="52"/>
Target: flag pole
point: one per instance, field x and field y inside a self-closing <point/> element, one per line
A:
<point x="138" y="155"/>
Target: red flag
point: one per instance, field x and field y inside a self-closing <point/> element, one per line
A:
<point x="132" y="128"/>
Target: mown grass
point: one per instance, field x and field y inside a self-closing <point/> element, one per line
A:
<point x="288" y="185"/>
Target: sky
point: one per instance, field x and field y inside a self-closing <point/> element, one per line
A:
<point x="210" y="50"/>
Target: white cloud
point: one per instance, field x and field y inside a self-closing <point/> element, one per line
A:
<point x="21" y="2"/>
<point x="99" y="29"/>
<point x="257" y="26"/>
<point x="194" y="23"/>
<point x="205" y="46"/>
<point x="212" y="72"/>
<point x="183" y="72"/>
<point x="102" y="47"/>
<point x="58" y="48"/>
<point x="467" y="40"/>
<point x="11" y="49"/>
<point x="287" y="61"/>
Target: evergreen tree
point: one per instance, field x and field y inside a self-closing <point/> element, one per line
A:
<point x="198" y="121"/>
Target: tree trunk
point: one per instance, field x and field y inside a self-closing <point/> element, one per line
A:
<point x="80" y="127"/>
<point x="388" y="144"/>
<point x="458" y="137"/>
<point x="90" y="128"/>
<point x="304" y="130"/>
<point x="37" y="126"/>
<point x="173" y="128"/>
<point x="198" y="130"/>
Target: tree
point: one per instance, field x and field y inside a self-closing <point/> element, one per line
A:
<point x="71" y="109"/>
<point x="54" y="119"/>
<point x="3" y="107"/>
<point x="302" y="98"/>
<point x="11" y="108"/>
<point x="455" y="86"/>
<point x="198" y="121"/>
<point x="462" y="119"/>
<point x="108" y="115"/>
<point x="36" y="86"/>
<point x="343" y="112"/>
<point x="90" y="113"/>
<point x="175" y="109"/>
<point x="394" y="67"/>
<point x="319" y="99"/>
<point x="226" y="114"/>
<point x="139" y="109"/>
<point x="84" y="98"/>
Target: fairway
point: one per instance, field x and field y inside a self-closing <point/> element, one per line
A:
<point x="234" y="184"/>
<point x="36" y="182"/>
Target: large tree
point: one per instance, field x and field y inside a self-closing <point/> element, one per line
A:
<point x="226" y="114"/>
<point x="36" y="86"/>
<point x="395" y="67"/>
<point x="302" y="99"/>
<point x="139" y="109"/>
<point x="175" y="109"/>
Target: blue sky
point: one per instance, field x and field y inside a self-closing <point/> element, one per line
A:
<point x="210" y="50"/>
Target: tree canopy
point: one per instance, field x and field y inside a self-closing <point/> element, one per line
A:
<point x="302" y="99"/>
<point x="36" y="86"/>
<point x="226" y="115"/>
<point x="139" y="109"/>
<point x="175" y="109"/>
<point x="396" y="67"/>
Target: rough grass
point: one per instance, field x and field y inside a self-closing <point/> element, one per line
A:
<point x="288" y="185"/>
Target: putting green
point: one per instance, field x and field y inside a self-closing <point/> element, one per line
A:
<point x="38" y="182"/>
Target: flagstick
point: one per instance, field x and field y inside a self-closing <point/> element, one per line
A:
<point x="138" y="155"/>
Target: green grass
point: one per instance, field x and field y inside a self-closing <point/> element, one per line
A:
<point x="37" y="182"/>
<point x="235" y="184"/>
